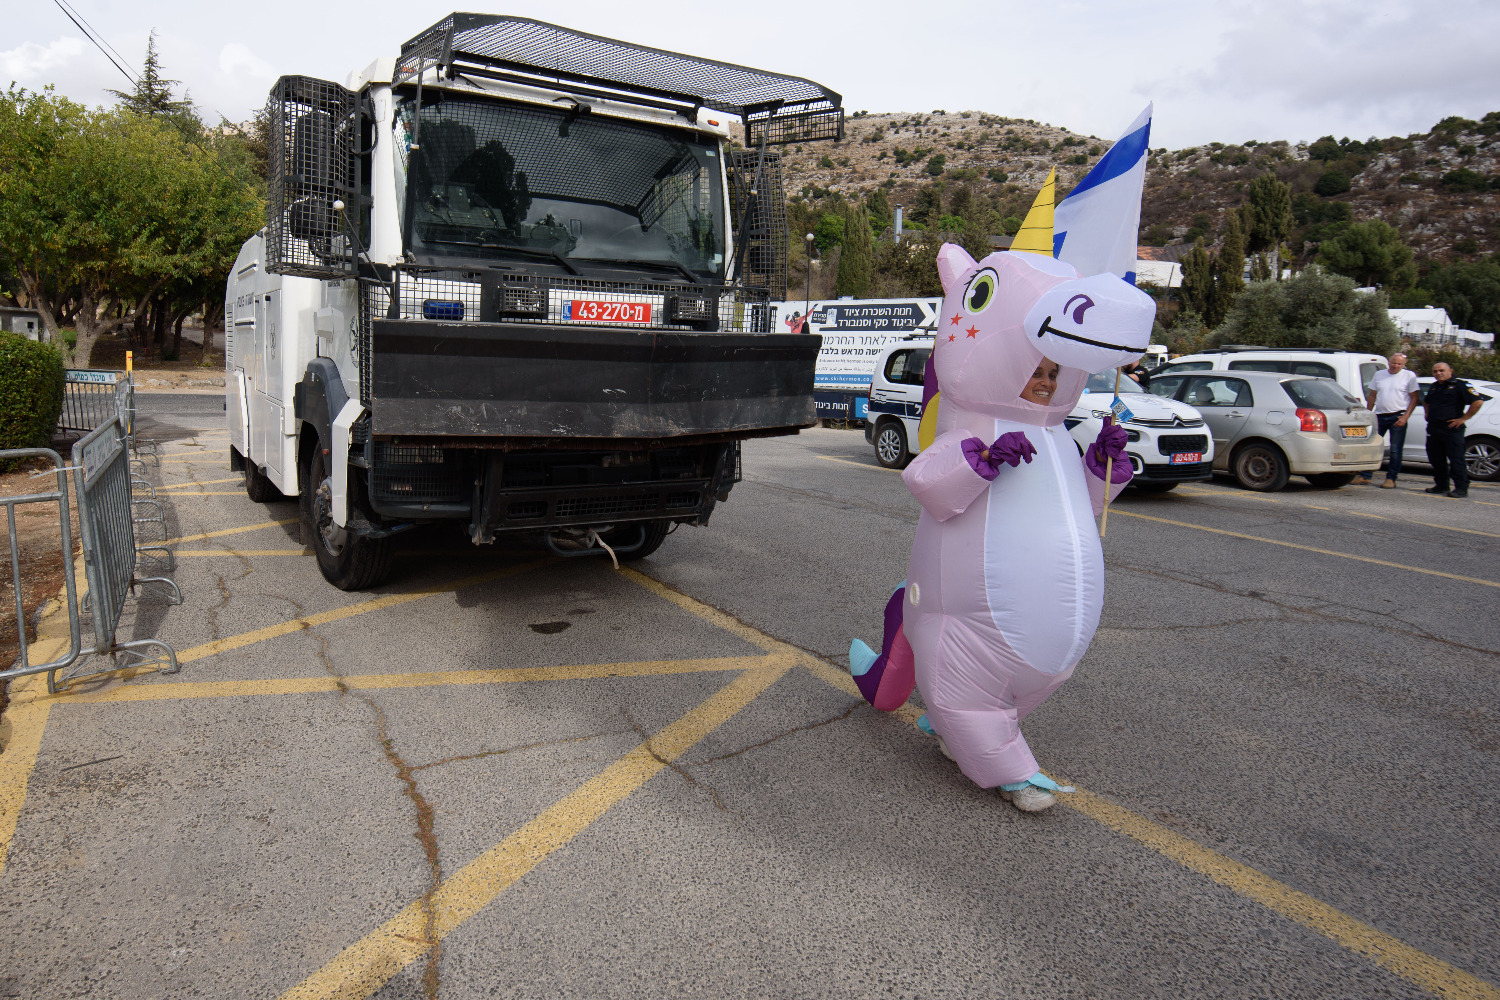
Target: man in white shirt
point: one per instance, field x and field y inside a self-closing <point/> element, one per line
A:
<point x="1392" y="395"/>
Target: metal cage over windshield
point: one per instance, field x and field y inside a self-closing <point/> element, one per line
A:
<point x="776" y="109"/>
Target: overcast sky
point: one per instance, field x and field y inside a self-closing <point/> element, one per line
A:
<point x="1217" y="69"/>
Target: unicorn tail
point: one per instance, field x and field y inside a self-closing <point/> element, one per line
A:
<point x="886" y="680"/>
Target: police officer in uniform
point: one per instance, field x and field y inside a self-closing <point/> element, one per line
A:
<point x="1446" y="416"/>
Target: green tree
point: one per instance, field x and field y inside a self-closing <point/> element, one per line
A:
<point x="879" y="208"/>
<point x="936" y="163"/>
<point x="1312" y="309"/>
<point x="1331" y="183"/>
<point x="115" y="213"/>
<point x="829" y="232"/>
<point x="856" y="262"/>
<point x="1372" y="253"/>
<point x="152" y="96"/>
<point x="1267" y="217"/>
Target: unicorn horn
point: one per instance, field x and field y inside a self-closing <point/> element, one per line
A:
<point x="1035" y="234"/>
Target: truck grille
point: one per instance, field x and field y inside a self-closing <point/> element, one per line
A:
<point x="419" y="474"/>
<point x="1171" y="444"/>
<point x="597" y="506"/>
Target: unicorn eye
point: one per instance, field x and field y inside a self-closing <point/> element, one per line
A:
<point x="981" y="293"/>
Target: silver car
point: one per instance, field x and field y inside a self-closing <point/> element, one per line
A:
<point x="1267" y="426"/>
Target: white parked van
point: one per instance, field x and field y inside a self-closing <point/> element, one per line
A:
<point x="1351" y="370"/>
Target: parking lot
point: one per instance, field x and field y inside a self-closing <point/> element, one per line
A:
<point x="505" y="774"/>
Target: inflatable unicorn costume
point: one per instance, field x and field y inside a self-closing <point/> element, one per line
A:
<point x="1006" y="578"/>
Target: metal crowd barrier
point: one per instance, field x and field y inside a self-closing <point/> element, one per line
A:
<point x="102" y="481"/>
<point x="59" y="496"/>
<point x="92" y="396"/>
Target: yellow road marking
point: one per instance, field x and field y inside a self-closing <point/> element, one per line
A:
<point x="364" y="967"/>
<point x="27" y="716"/>
<point x="216" y="451"/>
<point x="1383" y="517"/>
<point x="27" y="723"/>
<point x="204" y="535"/>
<point x="208" y="456"/>
<point x="1391" y="954"/>
<point x="860" y="465"/>
<point x="173" y="691"/>
<point x="180" y="553"/>
<point x="208" y="493"/>
<point x="218" y="646"/>
<point x="206" y="482"/>
<point x="1310" y="548"/>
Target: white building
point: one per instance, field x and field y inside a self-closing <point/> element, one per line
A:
<point x="1427" y="325"/>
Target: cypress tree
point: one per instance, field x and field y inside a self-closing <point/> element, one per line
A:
<point x="856" y="262"/>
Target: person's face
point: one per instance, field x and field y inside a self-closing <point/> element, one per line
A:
<point x="1398" y="362"/>
<point x="1043" y="383"/>
<point x="1442" y="372"/>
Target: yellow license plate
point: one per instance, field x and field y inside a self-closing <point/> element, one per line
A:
<point x="1356" y="432"/>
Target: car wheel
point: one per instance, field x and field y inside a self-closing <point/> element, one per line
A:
<point x="1261" y="467"/>
<point x="1482" y="455"/>
<point x="890" y="445"/>
<point x="1331" y="480"/>
<point x="346" y="560"/>
<point x="257" y="487"/>
<point x="1153" y="487"/>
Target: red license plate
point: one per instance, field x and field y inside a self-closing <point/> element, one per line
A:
<point x="1187" y="457"/>
<point x="595" y="311"/>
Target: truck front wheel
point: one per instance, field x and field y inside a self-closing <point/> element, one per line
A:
<point x="656" y="533"/>
<point x="347" y="560"/>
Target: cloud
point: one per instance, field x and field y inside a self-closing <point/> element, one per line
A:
<point x="236" y="60"/>
<point x="30" y="62"/>
<point x="1296" y="69"/>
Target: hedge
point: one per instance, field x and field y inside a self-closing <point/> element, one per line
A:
<point x="31" y="392"/>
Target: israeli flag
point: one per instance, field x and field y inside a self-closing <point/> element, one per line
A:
<point x="1095" y="227"/>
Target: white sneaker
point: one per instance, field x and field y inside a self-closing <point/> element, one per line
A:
<point x="944" y="747"/>
<point x="1030" y="798"/>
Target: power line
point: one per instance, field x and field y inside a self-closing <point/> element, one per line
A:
<point x="118" y="59"/>
<point x="101" y="45"/>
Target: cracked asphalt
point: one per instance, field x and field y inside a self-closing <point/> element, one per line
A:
<point x="507" y="775"/>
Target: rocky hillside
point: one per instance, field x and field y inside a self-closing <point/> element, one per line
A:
<point x="1440" y="188"/>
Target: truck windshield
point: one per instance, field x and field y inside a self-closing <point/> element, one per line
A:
<point x="497" y="180"/>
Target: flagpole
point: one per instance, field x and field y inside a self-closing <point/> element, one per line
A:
<point x="1109" y="470"/>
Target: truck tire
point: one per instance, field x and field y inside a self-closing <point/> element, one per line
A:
<point x="346" y="560"/>
<point x="890" y="445"/>
<point x="257" y="487"/>
<point x="656" y="533"/>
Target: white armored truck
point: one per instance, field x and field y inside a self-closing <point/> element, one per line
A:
<point x="517" y="277"/>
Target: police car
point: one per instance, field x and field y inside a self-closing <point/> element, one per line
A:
<point x="895" y="407"/>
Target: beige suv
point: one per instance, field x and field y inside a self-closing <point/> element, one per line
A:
<point x="1267" y="426"/>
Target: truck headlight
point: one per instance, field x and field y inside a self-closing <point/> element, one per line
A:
<point x="692" y="308"/>
<point x="523" y="301"/>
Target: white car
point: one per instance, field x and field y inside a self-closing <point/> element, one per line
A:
<point x="1168" y="441"/>
<point x="895" y="407"/>
<point x="1351" y="370"/>
<point x="1481" y="434"/>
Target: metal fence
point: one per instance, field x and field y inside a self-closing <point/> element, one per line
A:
<point x="102" y="480"/>
<point x="59" y="498"/>
<point x="92" y="396"/>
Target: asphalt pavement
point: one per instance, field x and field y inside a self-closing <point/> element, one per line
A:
<point x="503" y="774"/>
